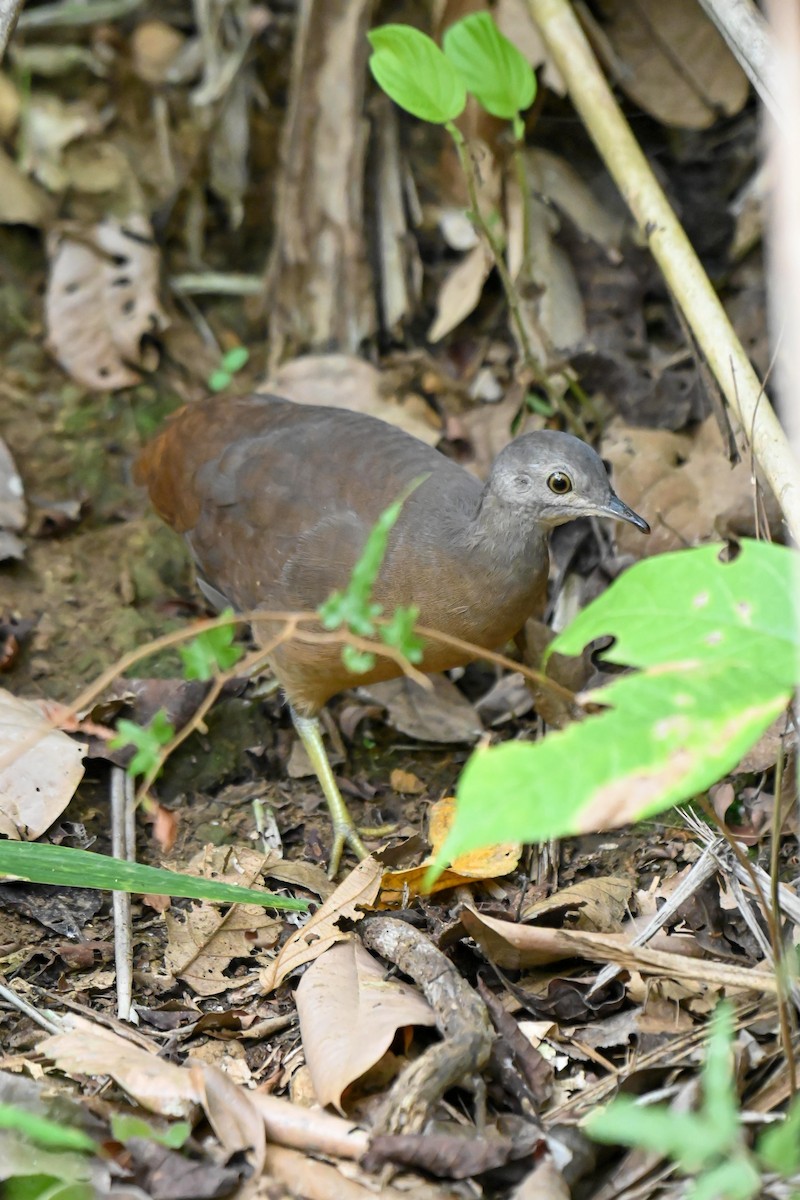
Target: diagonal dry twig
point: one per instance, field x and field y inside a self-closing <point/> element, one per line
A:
<point x="669" y="245"/>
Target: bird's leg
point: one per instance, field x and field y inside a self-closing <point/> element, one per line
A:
<point x="344" y="830"/>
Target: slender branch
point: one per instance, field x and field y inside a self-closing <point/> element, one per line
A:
<point x="511" y="293"/>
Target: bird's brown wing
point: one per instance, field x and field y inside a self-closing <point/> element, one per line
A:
<point x="277" y="499"/>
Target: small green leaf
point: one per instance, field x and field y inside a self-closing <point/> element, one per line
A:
<point x="124" y="1127"/>
<point x="357" y="661"/>
<point x="218" y="380"/>
<point x="719" y="646"/>
<point x="720" y="1100"/>
<point x="779" y="1146"/>
<point x="352" y="609"/>
<point x="234" y="359"/>
<point x="500" y="78"/>
<point x="413" y="72"/>
<point x="539" y="404"/>
<point x="399" y="632"/>
<point x="354" y="606"/>
<point x="211" y="651"/>
<point x="736" y="1179"/>
<point x="147" y="738"/>
<point x="44" y="1132"/>
<point x="624" y="1122"/>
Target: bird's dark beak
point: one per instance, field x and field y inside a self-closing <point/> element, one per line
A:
<point x="619" y="510"/>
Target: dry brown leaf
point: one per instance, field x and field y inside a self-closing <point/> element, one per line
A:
<point x="344" y="381"/>
<point x="406" y="783"/>
<point x="490" y="862"/>
<point x="683" y="484"/>
<point x="551" y="304"/>
<point x="440" y="713"/>
<point x="202" y="941"/>
<point x="673" y="62"/>
<point x="22" y="202"/>
<point x="50" y="125"/>
<point x="460" y="292"/>
<point x="516" y="947"/>
<point x="13" y="513"/>
<point x="349" y="1014"/>
<point x="232" y="1115"/>
<point x="357" y="891"/>
<point x="102" y="300"/>
<point x="10" y="106"/>
<point x="552" y="176"/>
<point x="154" y="46"/>
<point x="600" y="903"/>
<point x="89" y="1049"/>
<point x="545" y="1182"/>
<point x="40" y="767"/>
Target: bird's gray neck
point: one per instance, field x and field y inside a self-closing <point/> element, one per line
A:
<point x="503" y="538"/>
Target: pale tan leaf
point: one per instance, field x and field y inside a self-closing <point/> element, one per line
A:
<point x="154" y="47"/>
<point x="674" y="62"/>
<point x="89" y="1049"/>
<point x="357" y="890"/>
<point x="50" y="125"/>
<point x="490" y="862"/>
<point x="13" y="511"/>
<point x="349" y="1013"/>
<point x="600" y="903"/>
<point x="236" y="1121"/>
<point x="40" y="767"/>
<point x="202" y="941"/>
<point x="10" y="106"/>
<point x="685" y="486"/>
<point x="344" y="381"/>
<point x="22" y="202"/>
<point x="461" y="291"/>
<point x="102" y="300"/>
<point x="515" y="947"/>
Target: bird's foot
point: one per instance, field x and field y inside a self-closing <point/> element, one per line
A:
<point x="345" y="834"/>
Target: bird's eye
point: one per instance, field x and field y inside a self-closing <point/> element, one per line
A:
<point x="559" y="483"/>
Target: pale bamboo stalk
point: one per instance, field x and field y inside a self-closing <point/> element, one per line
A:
<point x="669" y="245"/>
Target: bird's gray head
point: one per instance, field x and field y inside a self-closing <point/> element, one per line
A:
<point x="554" y="478"/>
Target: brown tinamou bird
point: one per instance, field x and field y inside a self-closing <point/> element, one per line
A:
<point x="276" y="501"/>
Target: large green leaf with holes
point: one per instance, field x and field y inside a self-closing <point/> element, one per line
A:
<point x="718" y="651"/>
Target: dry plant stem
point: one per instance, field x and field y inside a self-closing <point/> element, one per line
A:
<point x="770" y="914"/>
<point x="11" y="997"/>
<point x="512" y="297"/>
<point x="775" y="840"/>
<point x="747" y="34"/>
<point x="671" y="249"/>
<point x="123" y="847"/>
<point x="668" y="1054"/>
<point x="701" y="871"/>
<point x="312" y="1130"/>
<point x="461" y="1018"/>
<point x="293" y="621"/>
<point x="9" y="12"/>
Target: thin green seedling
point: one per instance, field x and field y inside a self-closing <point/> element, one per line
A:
<point x="354" y="608"/>
<point x="231" y="362"/>
<point x="432" y="85"/>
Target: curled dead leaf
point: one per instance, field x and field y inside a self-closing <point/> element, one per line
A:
<point x="102" y="301"/>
